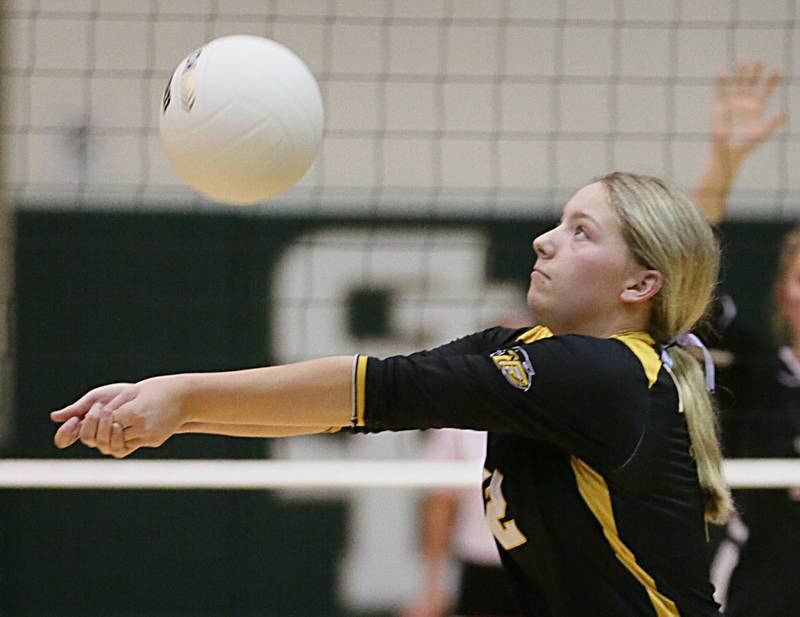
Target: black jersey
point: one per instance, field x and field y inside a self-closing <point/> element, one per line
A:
<point x="589" y="485"/>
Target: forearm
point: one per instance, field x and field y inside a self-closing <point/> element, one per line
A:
<point x="252" y="430"/>
<point x="312" y="394"/>
<point x="712" y="191"/>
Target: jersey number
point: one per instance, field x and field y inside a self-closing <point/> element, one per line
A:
<point x="507" y="533"/>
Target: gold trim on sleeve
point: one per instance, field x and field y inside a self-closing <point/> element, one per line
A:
<point x="359" y="390"/>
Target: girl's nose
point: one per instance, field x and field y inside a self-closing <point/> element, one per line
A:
<point x="543" y="245"/>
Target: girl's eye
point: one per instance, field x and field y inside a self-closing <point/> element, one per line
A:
<point x="580" y="231"/>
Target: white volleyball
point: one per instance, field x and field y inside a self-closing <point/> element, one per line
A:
<point x="241" y="119"/>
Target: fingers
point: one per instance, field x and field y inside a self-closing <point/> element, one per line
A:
<point x="130" y="421"/>
<point x="99" y="424"/>
<point x="90" y="418"/>
<point x="745" y="80"/>
<point x="95" y="428"/>
<point x="88" y="430"/>
<point x="758" y="68"/>
<point x="772" y="82"/>
<point x="111" y="413"/>
<point x="124" y="396"/>
<point x="103" y="436"/>
<point x="136" y="429"/>
<point x="116" y="440"/>
<point x="126" y="416"/>
<point x="114" y="444"/>
<point x="133" y="427"/>
<point x="118" y="447"/>
<point x="140" y="419"/>
<point x="774" y="123"/>
<point x="82" y="406"/>
<point x="747" y="75"/>
<point x="741" y="78"/>
<point x="104" y="429"/>
<point x="68" y="433"/>
<point x="77" y="409"/>
<point x="98" y="427"/>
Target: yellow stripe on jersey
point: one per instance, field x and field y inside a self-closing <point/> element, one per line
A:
<point x="359" y="390"/>
<point x="594" y="490"/>
<point x="641" y="344"/>
<point x="537" y="333"/>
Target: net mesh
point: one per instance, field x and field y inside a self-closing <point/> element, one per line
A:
<point x="448" y="106"/>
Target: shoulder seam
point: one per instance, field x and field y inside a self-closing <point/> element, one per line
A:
<point x="648" y="359"/>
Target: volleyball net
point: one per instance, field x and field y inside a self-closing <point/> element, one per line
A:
<point x="431" y="107"/>
<point x="455" y="130"/>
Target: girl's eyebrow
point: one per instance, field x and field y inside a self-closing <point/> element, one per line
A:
<point x="580" y="214"/>
<point x="585" y="215"/>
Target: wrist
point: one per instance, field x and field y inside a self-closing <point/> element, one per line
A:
<point x="725" y="161"/>
<point x="177" y="390"/>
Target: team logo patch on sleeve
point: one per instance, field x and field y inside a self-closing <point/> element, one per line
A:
<point x="515" y="365"/>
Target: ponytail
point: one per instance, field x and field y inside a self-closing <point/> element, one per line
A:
<point x="665" y="231"/>
<point x="701" y="420"/>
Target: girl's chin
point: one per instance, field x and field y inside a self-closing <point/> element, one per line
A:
<point x="535" y="300"/>
<point x="536" y="309"/>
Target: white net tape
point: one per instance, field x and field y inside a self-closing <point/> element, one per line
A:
<point x="345" y="475"/>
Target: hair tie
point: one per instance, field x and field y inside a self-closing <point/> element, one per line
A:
<point x="687" y="339"/>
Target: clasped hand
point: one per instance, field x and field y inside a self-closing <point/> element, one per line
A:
<point x="120" y="418"/>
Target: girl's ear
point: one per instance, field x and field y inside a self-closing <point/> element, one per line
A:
<point x="646" y="285"/>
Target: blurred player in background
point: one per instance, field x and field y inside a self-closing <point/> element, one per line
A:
<point x="453" y="524"/>
<point x="603" y="465"/>
<point x="761" y="413"/>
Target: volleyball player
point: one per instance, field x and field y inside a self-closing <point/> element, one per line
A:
<point x="602" y="465"/>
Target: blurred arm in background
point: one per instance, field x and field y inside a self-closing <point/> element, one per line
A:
<point x="739" y="125"/>
<point x="437" y="523"/>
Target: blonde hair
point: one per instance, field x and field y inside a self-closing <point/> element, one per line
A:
<point x="790" y="248"/>
<point x="666" y="232"/>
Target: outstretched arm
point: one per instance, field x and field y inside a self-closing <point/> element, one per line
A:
<point x="302" y="398"/>
<point x="281" y="401"/>
<point x="739" y="125"/>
